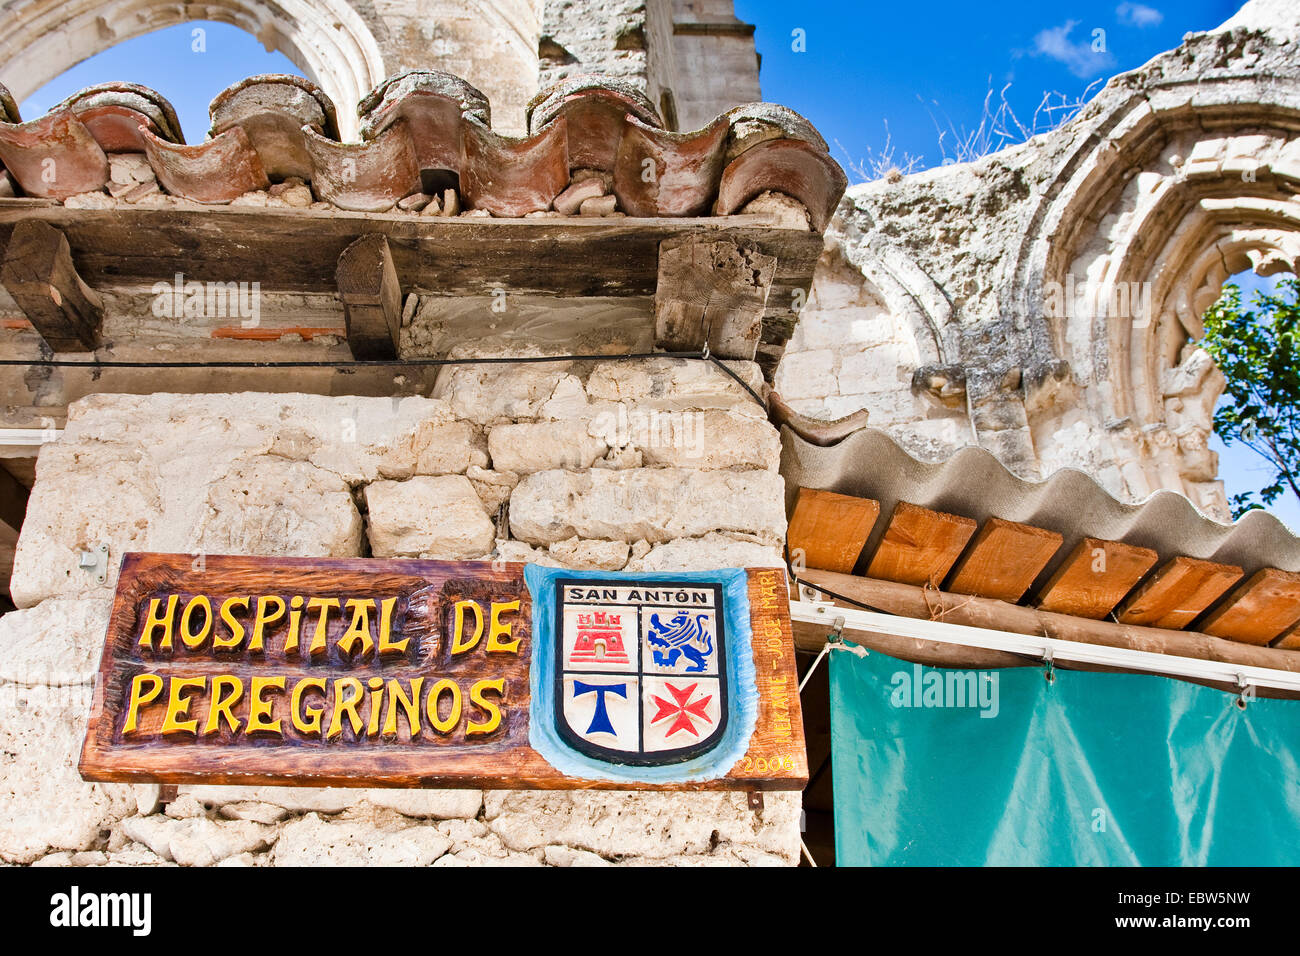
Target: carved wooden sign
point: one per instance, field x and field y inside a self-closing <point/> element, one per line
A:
<point x="353" y="672"/>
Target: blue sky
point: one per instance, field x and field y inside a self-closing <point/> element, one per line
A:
<point x="859" y="71"/>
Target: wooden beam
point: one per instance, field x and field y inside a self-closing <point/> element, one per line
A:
<point x="920" y="545"/>
<point x="372" y="298"/>
<point x="1259" y="610"/>
<point x="1177" y="593"/>
<point x="1095" y="578"/>
<point x="39" y="274"/>
<point x="830" y="529"/>
<point x="928" y="604"/>
<point x="1003" y="560"/>
<point x="712" y="292"/>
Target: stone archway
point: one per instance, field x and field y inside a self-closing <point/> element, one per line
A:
<point x="327" y="39"/>
<point x="1128" y="256"/>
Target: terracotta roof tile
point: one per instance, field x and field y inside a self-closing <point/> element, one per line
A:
<point x="681" y="178"/>
<point x="53" y="157"/>
<point x="366" y="177"/>
<point x="273" y="109"/>
<point x="214" y="171"/>
<point x="424" y="131"/>
<point x="513" y="177"/>
<point x="114" y="113"/>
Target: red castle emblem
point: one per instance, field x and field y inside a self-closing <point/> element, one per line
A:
<point x="600" y="639"/>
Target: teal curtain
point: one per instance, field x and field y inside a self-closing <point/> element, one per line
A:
<point x="934" y="767"/>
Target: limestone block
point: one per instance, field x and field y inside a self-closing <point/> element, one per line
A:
<point x="657" y="504"/>
<point x="57" y="642"/>
<point x="527" y="447"/>
<point x="651" y="825"/>
<point x="710" y="551"/>
<point x="198" y="841"/>
<point x="677" y="383"/>
<point x="493" y="487"/>
<point x="590" y="555"/>
<point x="707" y="439"/>
<point x="326" y="800"/>
<point x="269" y="506"/>
<point x="428" y="516"/>
<point x="435" y="448"/>
<point x="494" y="393"/>
<point x="885" y="367"/>
<point x="44" y="803"/>
<point x="806" y="374"/>
<point x="438" y="804"/>
<point x="380" y="838"/>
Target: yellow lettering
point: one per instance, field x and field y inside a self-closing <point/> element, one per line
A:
<point x="359" y="629"/>
<point x="324" y="605"/>
<point x="409" y="704"/>
<point x="228" y="617"/>
<point x="488" y="707"/>
<point x="311" y="726"/>
<point x="498" y="630"/>
<point x="458" y="643"/>
<point x="223" y="703"/>
<point x="259" y="708"/>
<point x="194" y="641"/>
<point x="345" y="705"/>
<point x="154" y="620"/>
<point x="376" y="705"/>
<point x="386" y="629"/>
<point x="431" y="706"/>
<point x="262" y="619"/>
<point x="178" y="706"/>
<point x="295" y="621"/>
<point x="140" y="697"/>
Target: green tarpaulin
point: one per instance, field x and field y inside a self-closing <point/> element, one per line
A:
<point x="934" y="767"/>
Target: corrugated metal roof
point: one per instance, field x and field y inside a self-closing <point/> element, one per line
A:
<point x="975" y="484"/>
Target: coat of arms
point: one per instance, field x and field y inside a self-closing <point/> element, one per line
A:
<point x="640" y="673"/>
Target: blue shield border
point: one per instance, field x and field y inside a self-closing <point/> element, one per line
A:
<point x="738" y="662"/>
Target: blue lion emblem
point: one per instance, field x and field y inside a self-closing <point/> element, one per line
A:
<point x="684" y="634"/>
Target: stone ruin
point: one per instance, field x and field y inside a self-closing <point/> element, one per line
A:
<point x="1038" y="302"/>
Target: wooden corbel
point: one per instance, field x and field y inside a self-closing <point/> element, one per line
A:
<point x="372" y="298"/>
<point x="39" y="274"/>
<point x="711" y="292"/>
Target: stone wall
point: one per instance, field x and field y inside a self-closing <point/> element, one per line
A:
<point x="620" y="465"/>
<point x="1043" y="301"/>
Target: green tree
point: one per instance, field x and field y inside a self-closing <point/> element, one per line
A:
<point x="1257" y="351"/>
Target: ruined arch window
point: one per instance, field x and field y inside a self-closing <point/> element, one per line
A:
<point x="188" y="63"/>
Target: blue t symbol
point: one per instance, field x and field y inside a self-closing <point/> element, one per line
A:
<point x="600" y="719"/>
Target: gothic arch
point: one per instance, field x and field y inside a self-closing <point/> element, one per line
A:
<point x="1164" y="197"/>
<point x="327" y="39"/>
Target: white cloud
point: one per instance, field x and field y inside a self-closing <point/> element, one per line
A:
<point x="1084" y="58"/>
<point x="1138" y="14"/>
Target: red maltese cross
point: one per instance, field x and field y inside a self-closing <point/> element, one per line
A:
<point x="680" y="709"/>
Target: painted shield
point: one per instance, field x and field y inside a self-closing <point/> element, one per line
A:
<point x="640" y="671"/>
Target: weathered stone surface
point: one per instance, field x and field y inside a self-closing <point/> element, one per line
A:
<point x="326" y="800"/>
<point x="435" y="448"/>
<point x="492" y="487"/>
<point x="44" y="804"/>
<point x="691" y="438"/>
<point x="270" y="506"/>
<point x="378" y="838"/>
<point x="539" y="446"/>
<point x="590" y="555"/>
<point x="496" y="393"/>
<point x="56" y="642"/>
<point x="650" y="825"/>
<point x="438" y="804"/>
<point x="710" y="551"/>
<point x="197" y="841"/>
<point x="438" y="517"/>
<point x="655" y="504"/>
<point x="677" y="384"/>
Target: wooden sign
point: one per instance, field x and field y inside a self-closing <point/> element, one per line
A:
<point x="352" y="672"/>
